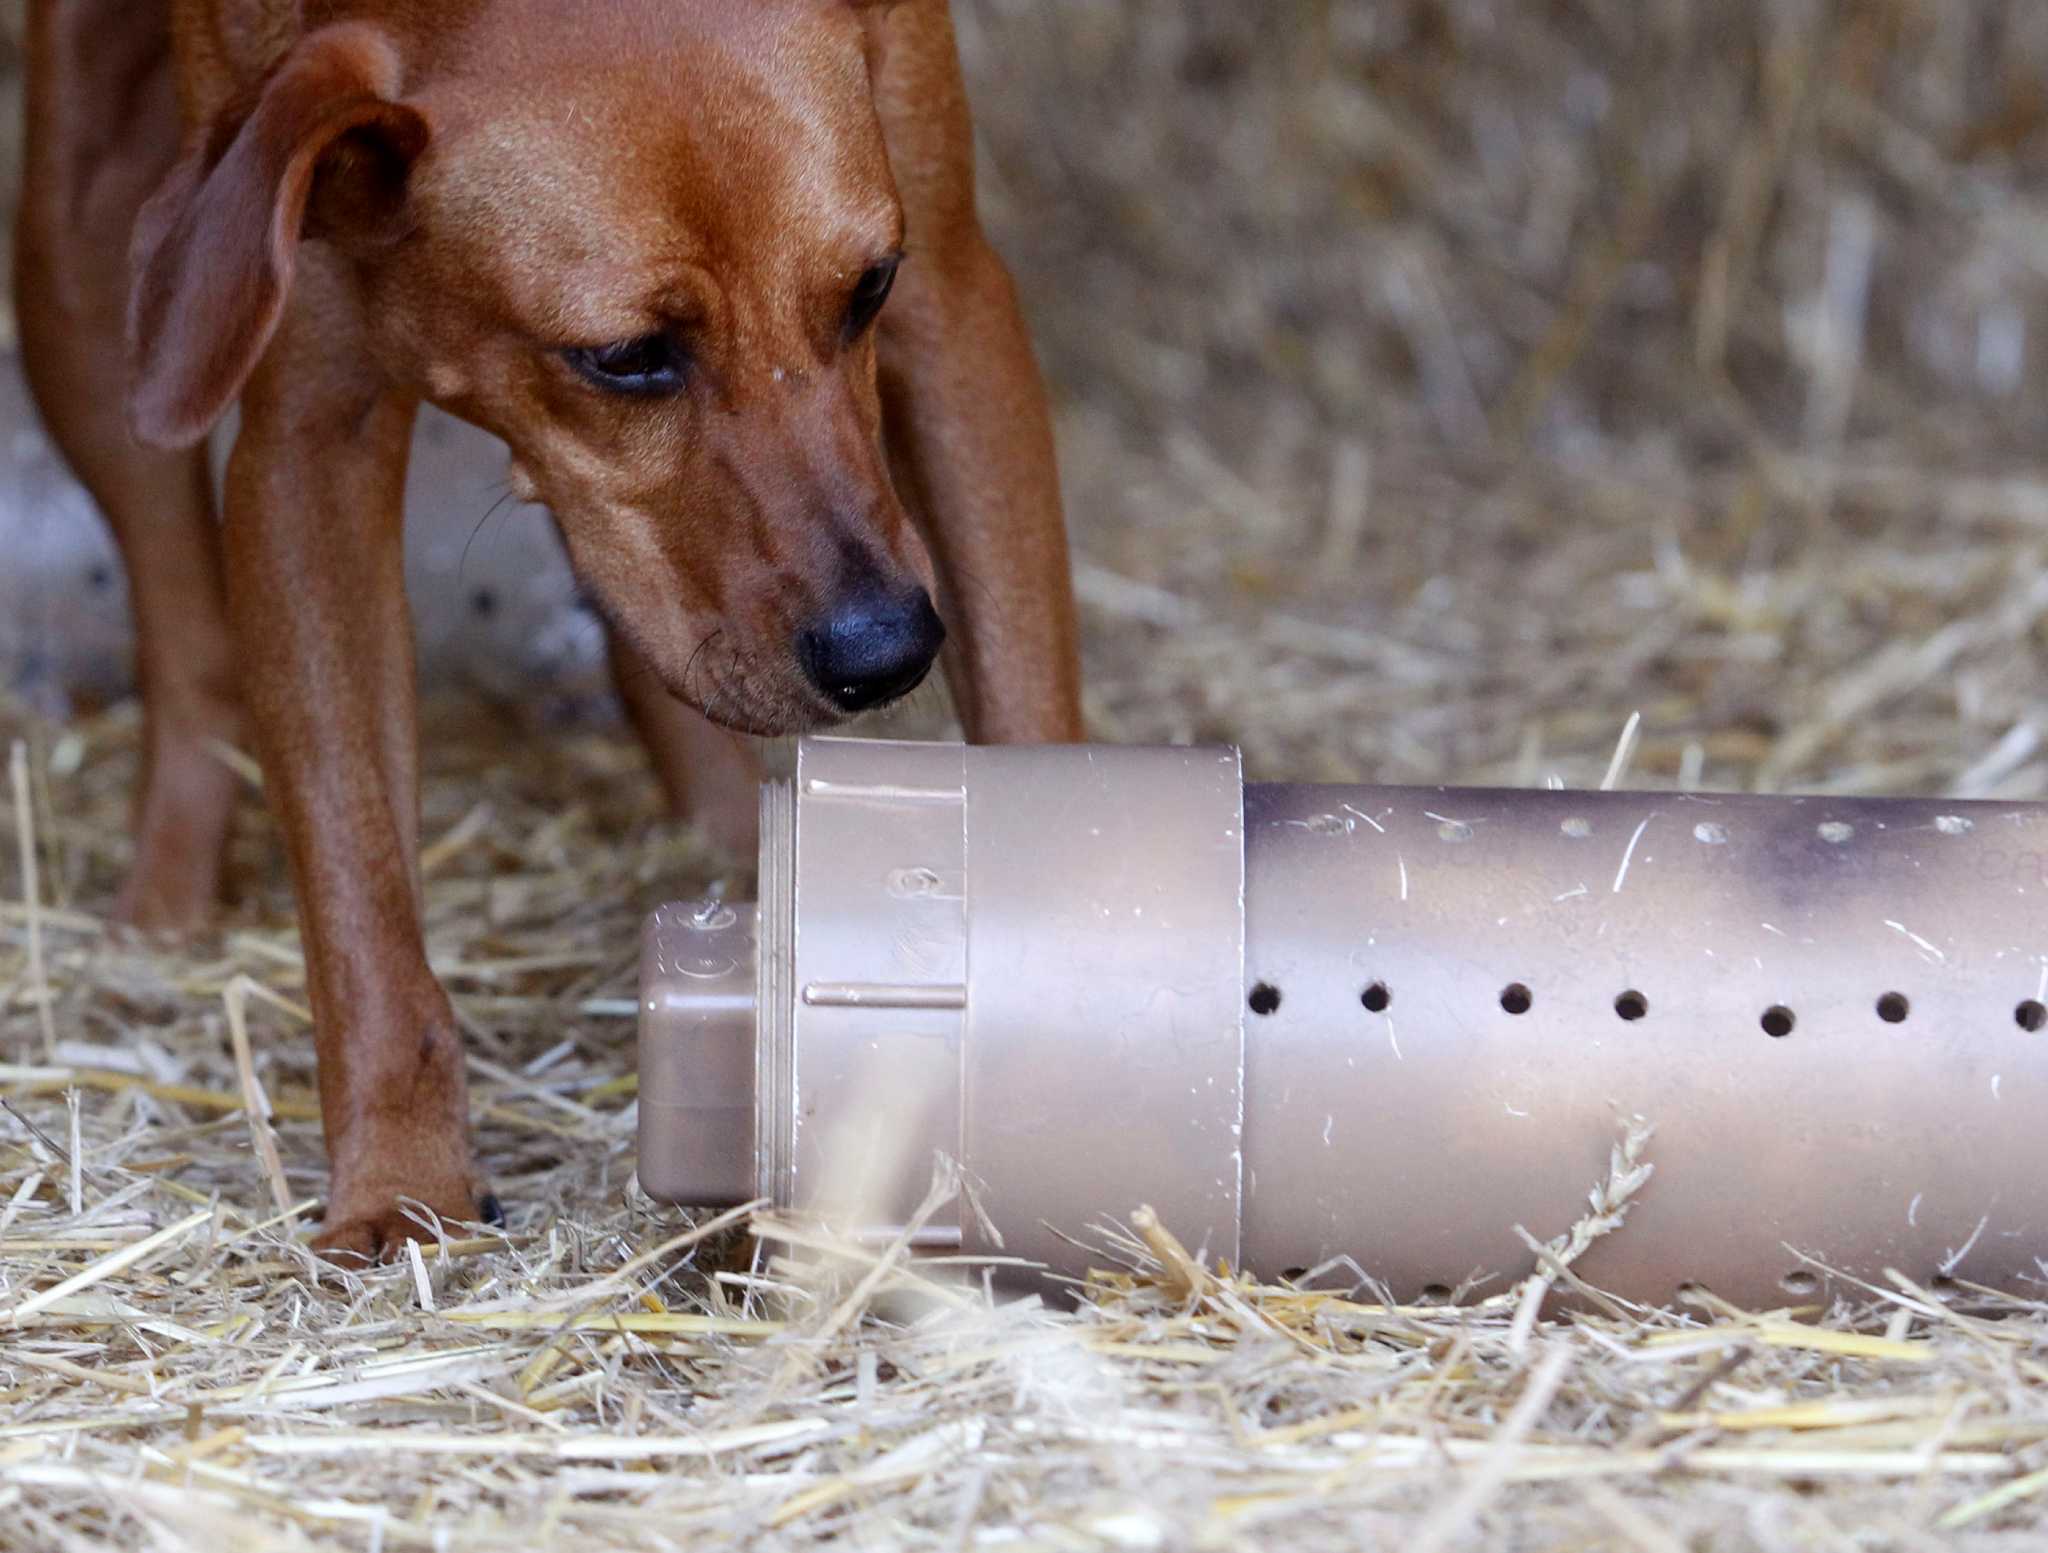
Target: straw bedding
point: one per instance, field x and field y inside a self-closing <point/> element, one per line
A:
<point x="1440" y="384"/>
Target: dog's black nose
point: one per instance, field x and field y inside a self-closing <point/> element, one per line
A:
<point x="872" y="649"/>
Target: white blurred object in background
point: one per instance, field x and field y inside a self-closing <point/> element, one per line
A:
<point x="495" y="606"/>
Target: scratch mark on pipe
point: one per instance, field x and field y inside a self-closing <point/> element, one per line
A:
<point x="1402" y="863"/>
<point x="1769" y="928"/>
<point x="1375" y="824"/>
<point x="1511" y="1110"/>
<point x="1328" y="1122"/>
<point x="1393" y="1040"/>
<point x="1954" y="1259"/>
<point x="865" y="994"/>
<point x="888" y="792"/>
<point x="1900" y="927"/>
<point x="1629" y="856"/>
<point x="1570" y="895"/>
<point x="1913" y="1211"/>
<point x="1996" y="1080"/>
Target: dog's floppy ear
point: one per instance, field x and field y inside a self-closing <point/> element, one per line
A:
<point x="216" y="246"/>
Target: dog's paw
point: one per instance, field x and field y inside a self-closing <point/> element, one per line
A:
<point x="150" y="911"/>
<point x="361" y="1239"/>
<point x="173" y="889"/>
<point x="172" y="893"/>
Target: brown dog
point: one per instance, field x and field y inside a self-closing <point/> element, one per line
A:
<point x="647" y="243"/>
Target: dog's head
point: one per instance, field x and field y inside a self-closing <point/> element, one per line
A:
<point x="644" y="243"/>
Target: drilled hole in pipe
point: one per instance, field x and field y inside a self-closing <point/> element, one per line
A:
<point x="2031" y="1015"/>
<point x="1265" y="998"/>
<point x="1293" y="1274"/>
<point x="1944" y="1287"/>
<point x="1892" y="1008"/>
<point x="1632" y="1006"/>
<point x="1516" y="998"/>
<point x="1800" y="1282"/>
<point x="1376" y="998"/>
<point x="1778" y="1022"/>
<point x="1436" y="1293"/>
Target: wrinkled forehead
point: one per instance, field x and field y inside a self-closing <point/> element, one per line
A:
<point x="622" y="140"/>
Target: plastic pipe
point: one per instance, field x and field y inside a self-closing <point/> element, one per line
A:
<point x="1389" y="1024"/>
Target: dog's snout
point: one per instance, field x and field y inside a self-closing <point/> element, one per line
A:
<point x="872" y="649"/>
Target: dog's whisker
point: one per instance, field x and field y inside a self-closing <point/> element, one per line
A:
<point x="462" y="566"/>
<point x="973" y="580"/>
<point x="720" y="685"/>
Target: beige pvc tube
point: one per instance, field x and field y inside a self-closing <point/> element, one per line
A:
<point x="1311" y="1023"/>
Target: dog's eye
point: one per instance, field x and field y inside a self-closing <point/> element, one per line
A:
<point x="869" y="293"/>
<point x="652" y="365"/>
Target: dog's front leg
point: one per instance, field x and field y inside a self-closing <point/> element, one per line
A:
<point x="972" y="447"/>
<point x="969" y="432"/>
<point x="317" y="603"/>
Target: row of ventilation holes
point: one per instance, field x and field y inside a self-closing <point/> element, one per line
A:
<point x="1778" y="1021"/>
